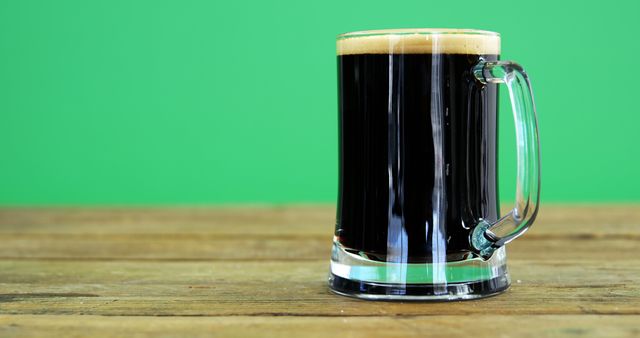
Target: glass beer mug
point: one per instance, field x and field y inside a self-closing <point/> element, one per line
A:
<point x="418" y="214"/>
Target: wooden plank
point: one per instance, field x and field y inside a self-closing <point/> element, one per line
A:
<point x="265" y="220"/>
<point x="249" y="247"/>
<point x="318" y="220"/>
<point x="293" y="289"/>
<point x="271" y="233"/>
<point x="354" y="327"/>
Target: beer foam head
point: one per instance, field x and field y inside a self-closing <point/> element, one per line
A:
<point x="419" y="41"/>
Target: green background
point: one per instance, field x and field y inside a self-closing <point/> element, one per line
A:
<point x="175" y="102"/>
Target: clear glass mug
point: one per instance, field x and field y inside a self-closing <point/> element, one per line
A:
<point x="418" y="212"/>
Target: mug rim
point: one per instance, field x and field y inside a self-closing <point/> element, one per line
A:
<point x="420" y="31"/>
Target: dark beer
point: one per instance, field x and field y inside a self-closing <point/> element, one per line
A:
<point x="418" y="154"/>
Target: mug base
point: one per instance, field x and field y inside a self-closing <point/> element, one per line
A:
<point x="419" y="292"/>
<point x="353" y="275"/>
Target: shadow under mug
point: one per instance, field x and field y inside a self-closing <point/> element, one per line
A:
<point x="418" y="214"/>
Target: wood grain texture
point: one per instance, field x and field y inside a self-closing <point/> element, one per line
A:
<point x="352" y="327"/>
<point x="261" y="271"/>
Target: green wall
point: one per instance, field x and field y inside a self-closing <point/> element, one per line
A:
<point x="208" y="101"/>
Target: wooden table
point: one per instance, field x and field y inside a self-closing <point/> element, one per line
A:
<point x="261" y="271"/>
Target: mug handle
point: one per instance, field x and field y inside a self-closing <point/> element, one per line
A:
<point x="489" y="236"/>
